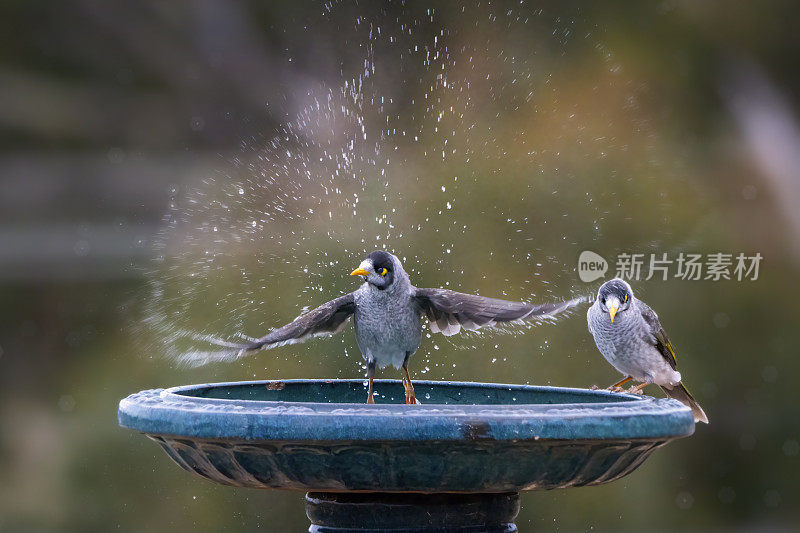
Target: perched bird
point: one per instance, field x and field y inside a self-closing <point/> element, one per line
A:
<point x="388" y="312"/>
<point x="630" y="336"/>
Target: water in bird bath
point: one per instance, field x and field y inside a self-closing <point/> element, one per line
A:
<point x="437" y="393"/>
<point x="461" y="142"/>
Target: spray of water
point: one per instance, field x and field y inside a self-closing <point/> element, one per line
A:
<point x="449" y="132"/>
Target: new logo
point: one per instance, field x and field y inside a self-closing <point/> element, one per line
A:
<point x="591" y="266"/>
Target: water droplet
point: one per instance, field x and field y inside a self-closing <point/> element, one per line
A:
<point x="684" y="500"/>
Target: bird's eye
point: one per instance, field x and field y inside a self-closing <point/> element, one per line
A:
<point x="626" y="297"/>
<point x="383" y="271"/>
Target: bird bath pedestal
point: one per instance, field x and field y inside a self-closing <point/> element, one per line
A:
<point x="456" y="462"/>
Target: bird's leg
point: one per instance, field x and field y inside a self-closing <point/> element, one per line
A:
<point x="638" y="388"/>
<point x="618" y="385"/>
<point x="410" y="398"/>
<point x="370" y="375"/>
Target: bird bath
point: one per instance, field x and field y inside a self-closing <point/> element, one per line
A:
<point x="458" y="460"/>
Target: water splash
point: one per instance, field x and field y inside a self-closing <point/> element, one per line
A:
<point x="463" y="144"/>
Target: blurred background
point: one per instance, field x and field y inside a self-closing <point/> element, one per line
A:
<point x="173" y="170"/>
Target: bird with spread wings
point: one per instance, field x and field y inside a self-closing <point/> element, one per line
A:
<point x="388" y="311"/>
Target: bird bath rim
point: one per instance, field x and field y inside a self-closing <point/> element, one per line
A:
<point x="192" y="411"/>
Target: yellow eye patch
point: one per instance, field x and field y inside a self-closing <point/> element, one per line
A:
<point x="383" y="271"/>
<point x="626" y="297"/>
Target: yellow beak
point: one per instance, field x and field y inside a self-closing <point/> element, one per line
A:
<point x="359" y="272"/>
<point x="613" y="312"/>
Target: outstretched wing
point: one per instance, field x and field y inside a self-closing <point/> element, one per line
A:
<point x="659" y="335"/>
<point x="449" y="311"/>
<point x="327" y="319"/>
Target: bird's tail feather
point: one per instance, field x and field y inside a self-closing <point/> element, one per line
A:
<point x="680" y="393"/>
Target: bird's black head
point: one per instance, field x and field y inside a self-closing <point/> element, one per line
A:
<point x="378" y="269"/>
<point x="615" y="296"/>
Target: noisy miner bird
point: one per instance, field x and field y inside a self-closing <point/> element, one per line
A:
<point x="388" y="312"/>
<point x="630" y="336"/>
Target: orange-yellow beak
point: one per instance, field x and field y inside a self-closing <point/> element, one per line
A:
<point x="359" y="272"/>
<point x="613" y="312"/>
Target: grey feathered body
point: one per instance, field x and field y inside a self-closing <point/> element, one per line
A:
<point x="388" y="323"/>
<point x="629" y="344"/>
